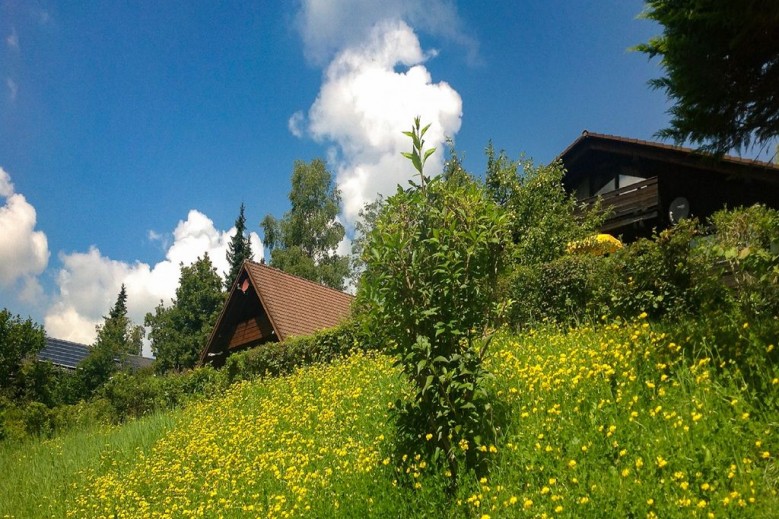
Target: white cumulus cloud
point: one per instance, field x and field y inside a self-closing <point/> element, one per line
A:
<point x="88" y="282"/>
<point x="371" y="93"/>
<point x="24" y="252"/>
<point x="329" y="26"/>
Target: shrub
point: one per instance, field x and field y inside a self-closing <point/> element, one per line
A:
<point x="562" y="290"/>
<point x="132" y="397"/>
<point x="37" y="419"/>
<point x="81" y="415"/>
<point x="274" y="359"/>
<point x="661" y="276"/>
<point x="746" y="242"/>
<point x="431" y="267"/>
<point x="544" y="217"/>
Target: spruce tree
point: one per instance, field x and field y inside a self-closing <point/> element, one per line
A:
<point x="117" y="337"/>
<point x="239" y="249"/>
<point x="721" y="71"/>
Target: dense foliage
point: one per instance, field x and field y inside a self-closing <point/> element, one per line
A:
<point x="20" y="340"/>
<point x="305" y="241"/>
<point x="178" y="333"/>
<point x="679" y="273"/>
<point x="544" y="218"/>
<point x="721" y="60"/>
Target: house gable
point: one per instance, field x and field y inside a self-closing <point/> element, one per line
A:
<point x="268" y="305"/>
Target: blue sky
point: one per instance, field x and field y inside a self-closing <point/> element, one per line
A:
<point x="130" y="132"/>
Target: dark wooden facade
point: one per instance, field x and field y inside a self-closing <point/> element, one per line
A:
<point x="244" y="322"/>
<point x="640" y="181"/>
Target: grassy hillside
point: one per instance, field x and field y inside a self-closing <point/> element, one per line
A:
<point x="626" y="419"/>
<point x="40" y="478"/>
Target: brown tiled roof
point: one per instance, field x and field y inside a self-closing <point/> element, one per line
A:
<point x="296" y="306"/>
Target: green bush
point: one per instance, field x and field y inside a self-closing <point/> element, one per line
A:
<point x="663" y="276"/>
<point x="746" y="244"/>
<point x="131" y="397"/>
<point x="274" y="359"/>
<point x="37" y="419"/>
<point x="432" y="263"/>
<point x="679" y="272"/>
<point x="564" y="291"/>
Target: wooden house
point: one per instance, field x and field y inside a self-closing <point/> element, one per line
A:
<point x="268" y="305"/>
<point x="648" y="185"/>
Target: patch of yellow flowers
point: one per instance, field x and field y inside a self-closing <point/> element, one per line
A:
<point x="263" y="449"/>
<point x="614" y="416"/>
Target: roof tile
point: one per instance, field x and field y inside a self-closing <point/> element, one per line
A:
<point x="297" y="306"/>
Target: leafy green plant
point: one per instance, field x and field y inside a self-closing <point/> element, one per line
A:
<point x="746" y="242"/>
<point x="663" y="276"/>
<point x="562" y="290"/>
<point x="432" y="262"/>
<point x="544" y="217"/>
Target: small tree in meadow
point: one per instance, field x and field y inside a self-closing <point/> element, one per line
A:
<point x="431" y="264"/>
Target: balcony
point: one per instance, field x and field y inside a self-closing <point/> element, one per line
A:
<point x="628" y="205"/>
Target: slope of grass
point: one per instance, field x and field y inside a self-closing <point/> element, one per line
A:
<point x="308" y="444"/>
<point x="619" y="420"/>
<point x="39" y="478"/>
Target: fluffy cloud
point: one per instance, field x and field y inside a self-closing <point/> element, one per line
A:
<point x="88" y="282"/>
<point x="321" y="23"/>
<point x="24" y="252"/>
<point x="365" y="103"/>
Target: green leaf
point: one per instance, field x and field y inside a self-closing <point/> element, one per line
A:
<point x="428" y="381"/>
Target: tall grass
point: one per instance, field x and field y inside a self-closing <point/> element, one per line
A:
<point x="629" y="421"/>
<point x="39" y="477"/>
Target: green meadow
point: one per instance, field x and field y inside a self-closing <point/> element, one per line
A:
<point x="622" y="419"/>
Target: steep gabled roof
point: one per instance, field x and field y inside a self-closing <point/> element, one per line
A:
<point x="297" y="306"/>
<point x="267" y="304"/>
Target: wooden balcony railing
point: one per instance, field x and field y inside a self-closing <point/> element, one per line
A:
<point x="627" y="205"/>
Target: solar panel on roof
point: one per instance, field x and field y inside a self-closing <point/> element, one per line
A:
<point x="62" y="353"/>
<point x="67" y="354"/>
